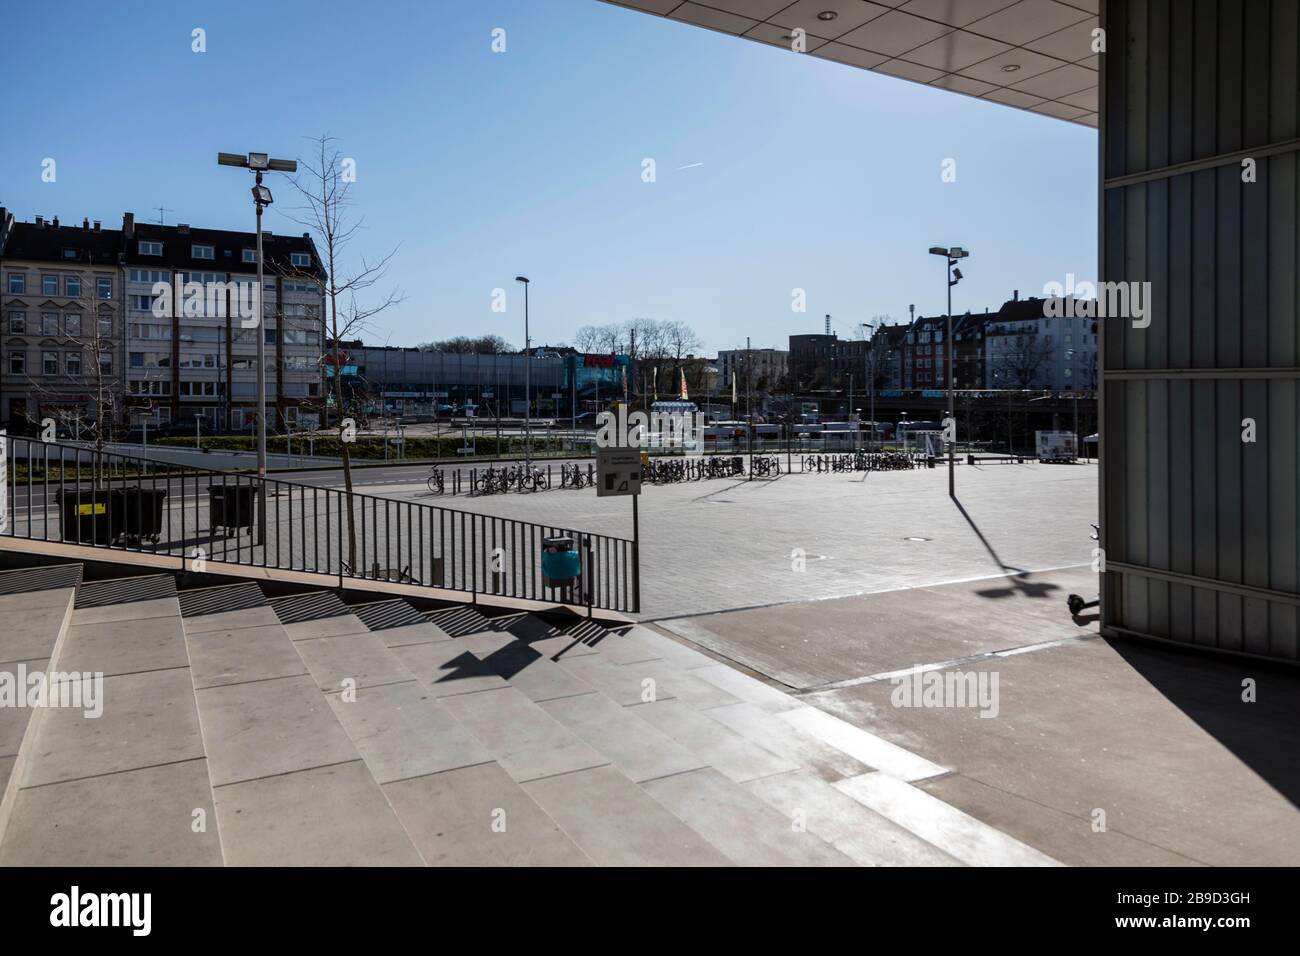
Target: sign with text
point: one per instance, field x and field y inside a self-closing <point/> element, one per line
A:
<point x="618" y="472"/>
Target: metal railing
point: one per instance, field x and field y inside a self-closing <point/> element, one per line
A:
<point x="71" y="494"/>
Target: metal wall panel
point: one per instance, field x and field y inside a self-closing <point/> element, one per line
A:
<point x="1199" y="527"/>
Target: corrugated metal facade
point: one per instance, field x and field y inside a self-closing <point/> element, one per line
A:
<point x="1200" y="528"/>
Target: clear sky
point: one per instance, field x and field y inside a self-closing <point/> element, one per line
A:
<point x="799" y="173"/>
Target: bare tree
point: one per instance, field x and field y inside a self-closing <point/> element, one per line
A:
<point x="325" y="190"/>
<point x="1023" y="354"/>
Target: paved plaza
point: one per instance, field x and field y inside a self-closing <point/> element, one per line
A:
<point x="724" y="544"/>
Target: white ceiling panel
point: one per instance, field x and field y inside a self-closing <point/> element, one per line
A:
<point x="849" y="14"/>
<point x="713" y="19"/>
<point x="1029" y="54"/>
<point x="894" y="33"/>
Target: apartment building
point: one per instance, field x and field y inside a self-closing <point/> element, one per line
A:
<point x="170" y="311"/>
<point x="767" y="371"/>
<point x="1024" y="349"/>
<point x="60" y="321"/>
<point x="193" y="353"/>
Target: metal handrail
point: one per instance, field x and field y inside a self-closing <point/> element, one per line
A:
<point x="112" y="501"/>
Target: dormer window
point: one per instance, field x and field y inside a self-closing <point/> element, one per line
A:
<point x="302" y="259"/>
<point x="250" y="255"/>
<point x="69" y="253"/>
<point x="149" y="248"/>
<point x="202" y="252"/>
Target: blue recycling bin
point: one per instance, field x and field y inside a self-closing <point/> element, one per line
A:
<point x="561" y="563"/>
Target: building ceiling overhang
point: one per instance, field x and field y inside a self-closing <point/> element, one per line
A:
<point x="1035" y="55"/>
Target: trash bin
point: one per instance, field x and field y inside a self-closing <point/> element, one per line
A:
<point x="136" y="513"/>
<point x="231" y="507"/>
<point x="85" y="516"/>
<point x="561" y="564"/>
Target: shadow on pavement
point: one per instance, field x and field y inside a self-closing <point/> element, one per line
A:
<point x="1264" y="735"/>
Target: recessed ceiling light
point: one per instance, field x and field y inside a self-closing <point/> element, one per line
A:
<point x="1011" y="68"/>
<point x="827" y="15"/>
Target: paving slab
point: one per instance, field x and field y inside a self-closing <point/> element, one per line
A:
<point x="148" y="719"/>
<point x="361" y="658"/>
<point x="136" y="818"/>
<point x="956" y="833"/>
<point x="623" y="684"/>
<point x="617" y="823"/>
<point x="447" y="668"/>
<point x="746" y="688"/>
<point x="327" y="816"/>
<point x="30" y="600"/>
<point x="479" y="816"/>
<point x="855" y="830"/>
<point x="784" y="739"/>
<point x="866" y="747"/>
<point x="14" y="720"/>
<point x="30" y="633"/>
<point x="124" y="647"/>
<point x="411" y="634"/>
<point x="748" y="830"/>
<point x="635" y="747"/>
<point x="269" y="727"/>
<point x="523" y="667"/>
<point x="228" y="620"/>
<point x="401" y="731"/>
<point x="523" y="738"/>
<point x="682" y="684"/>
<point x="718" y="746"/>
<point x="326" y="627"/>
<point x="239" y="655"/>
<point x="128" y="611"/>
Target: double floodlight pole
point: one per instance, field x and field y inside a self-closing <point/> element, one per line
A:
<point x="528" y="395"/>
<point x="260" y="163"/>
<point x="951" y="256"/>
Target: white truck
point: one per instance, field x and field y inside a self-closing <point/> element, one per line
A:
<point x="1056" y="446"/>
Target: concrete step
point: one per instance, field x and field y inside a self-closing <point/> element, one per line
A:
<point x="289" y="787"/>
<point x="36" y="606"/>
<point x="119" y="777"/>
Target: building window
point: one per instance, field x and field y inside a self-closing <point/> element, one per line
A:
<point x="202" y="252"/>
<point x="104" y="288"/>
<point x="72" y="287"/>
<point x="72" y="363"/>
<point x="17" y="363"/>
<point x="148" y="248"/>
<point x="105" y="326"/>
<point x="302" y="259"/>
<point x="72" y="323"/>
<point x="50" y="363"/>
<point x="136" y="359"/>
<point x="17" y="283"/>
<point x="69" y="252"/>
<point x="105" y="363"/>
<point x="49" y="285"/>
<point x="49" y="323"/>
<point x="17" y="323"/>
<point x="250" y="255"/>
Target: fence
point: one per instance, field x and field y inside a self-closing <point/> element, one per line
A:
<point x="62" y="493"/>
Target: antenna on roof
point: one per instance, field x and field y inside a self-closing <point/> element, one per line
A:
<point x="161" y="210"/>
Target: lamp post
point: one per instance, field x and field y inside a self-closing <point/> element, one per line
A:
<point x="259" y="163"/>
<point x="528" y="398"/>
<point x="871" y="381"/>
<point x="951" y="256"/>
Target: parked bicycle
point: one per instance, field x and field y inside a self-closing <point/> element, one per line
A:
<point x="436" y="482"/>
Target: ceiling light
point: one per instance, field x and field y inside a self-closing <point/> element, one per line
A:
<point x="827" y="15"/>
<point x="1011" y="68"/>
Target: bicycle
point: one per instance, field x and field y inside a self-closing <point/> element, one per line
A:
<point x="435" y="481"/>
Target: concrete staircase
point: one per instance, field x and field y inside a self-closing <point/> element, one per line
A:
<point x="301" y="730"/>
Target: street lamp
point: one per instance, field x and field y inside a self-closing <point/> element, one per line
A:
<point x="259" y="163"/>
<point x="951" y="256"/>
<point x="528" y="399"/>
<point x="871" y="384"/>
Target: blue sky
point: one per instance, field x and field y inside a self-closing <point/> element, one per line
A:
<point x="482" y="166"/>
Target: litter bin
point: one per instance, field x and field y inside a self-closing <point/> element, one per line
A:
<point x="85" y="516"/>
<point x="231" y="507"/>
<point x="561" y="564"/>
<point x="136" y="513"/>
